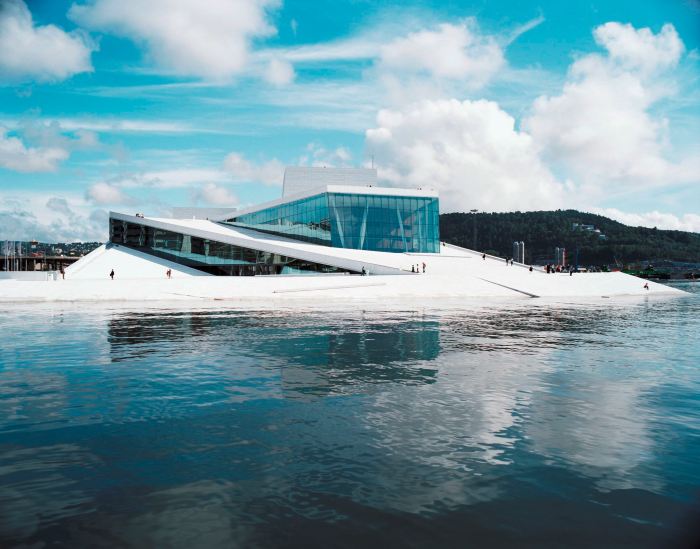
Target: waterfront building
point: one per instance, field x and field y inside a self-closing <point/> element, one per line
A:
<point x="329" y="227"/>
<point x="357" y="215"/>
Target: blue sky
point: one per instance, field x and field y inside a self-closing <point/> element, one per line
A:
<point x="132" y="106"/>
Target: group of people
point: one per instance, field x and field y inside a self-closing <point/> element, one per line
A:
<point x="416" y="268"/>
<point x="549" y="268"/>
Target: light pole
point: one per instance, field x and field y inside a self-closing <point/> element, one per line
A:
<point x="474" y="228"/>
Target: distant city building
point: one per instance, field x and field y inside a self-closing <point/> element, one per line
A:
<point x="583" y="227"/>
<point x="560" y="256"/>
<point x="519" y="251"/>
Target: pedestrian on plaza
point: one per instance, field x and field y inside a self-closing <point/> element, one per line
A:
<point x="168" y="273"/>
<point x="111" y="274"/>
<point x="63" y="273"/>
<point x="423" y="266"/>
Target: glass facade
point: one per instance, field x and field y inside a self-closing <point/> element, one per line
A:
<point x="206" y="255"/>
<point x="357" y="221"/>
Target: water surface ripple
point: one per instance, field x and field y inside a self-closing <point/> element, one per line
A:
<point x="512" y="423"/>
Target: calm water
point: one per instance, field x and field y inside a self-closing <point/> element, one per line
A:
<point x="520" y="423"/>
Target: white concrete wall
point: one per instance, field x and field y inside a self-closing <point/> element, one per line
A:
<point x="127" y="264"/>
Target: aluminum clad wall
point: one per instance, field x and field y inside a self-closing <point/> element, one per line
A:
<point x="299" y="179"/>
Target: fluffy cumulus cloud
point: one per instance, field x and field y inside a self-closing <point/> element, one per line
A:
<point x="319" y="156"/>
<point x="17" y="156"/>
<point x="38" y="53"/>
<point x="57" y="219"/>
<point x="243" y="170"/>
<point x="454" y="51"/>
<point x="215" y="195"/>
<point x="188" y="37"/>
<point x="601" y="129"/>
<point x="106" y="193"/>
<point x="469" y="150"/>
<point x="640" y="48"/>
<point x="35" y="146"/>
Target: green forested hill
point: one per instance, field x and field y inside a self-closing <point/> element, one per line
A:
<point x="543" y="231"/>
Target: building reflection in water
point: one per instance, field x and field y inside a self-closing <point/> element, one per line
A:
<point x="312" y="355"/>
<point x="290" y="412"/>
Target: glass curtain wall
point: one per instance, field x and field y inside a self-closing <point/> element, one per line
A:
<point x="307" y="219"/>
<point x="210" y="256"/>
<point x="357" y="221"/>
<point x="384" y="223"/>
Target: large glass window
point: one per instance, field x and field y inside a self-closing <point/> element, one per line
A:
<point x="211" y="256"/>
<point x="364" y="222"/>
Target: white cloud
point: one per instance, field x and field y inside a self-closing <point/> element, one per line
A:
<point x="348" y="49"/>
<point x="16" y="156"/>
<point x="52" y="135"/>
<point x="525" y="27"/>
<point x="640" y="49"/>
<point x="318" y="155"/>
<point x="601" y="129"/>
<point x="126" y="126"/>
<point x="106" y="193"/>
<point x="279" y="72"/>
<point x="66" y="218"/>
<point x="686" y="222"/>
<point x="244" y="171"/>
<point x="469" y="150"/>
<point x="110" y="125"/>
<point x="170" y="179"/>
<point x="215" y="195"/>
<point x="39" y="146"/>
<point x="38" y="53"/>
<point x="59" y="205"/>
<point x="210" y="40"/>
<point x="451" y="51"/>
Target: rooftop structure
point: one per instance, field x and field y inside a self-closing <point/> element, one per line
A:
<point x="301" y="179"/>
